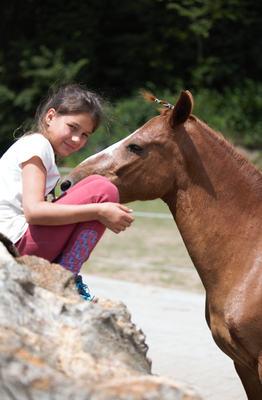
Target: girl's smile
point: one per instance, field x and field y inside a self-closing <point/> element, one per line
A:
<point x="68" y="133"/>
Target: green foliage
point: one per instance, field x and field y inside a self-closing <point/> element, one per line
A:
<point x="38" y="71"/>
<point x="129" y="43"/>
<point x="202" y="14"/>
<point x="244" y="117"/>
<point x="116" y="47"/>
<point x="236" y="113"/>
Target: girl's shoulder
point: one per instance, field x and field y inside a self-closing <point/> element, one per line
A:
<point x="28" y="140"/>
<point x="29" y="146"/>
<point x="35" y="142"/>
<point x="38" y="145"/>
<point x="33" y="137"/>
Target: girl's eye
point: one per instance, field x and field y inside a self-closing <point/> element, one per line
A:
<point x="134" y="147"/>
<point x="72" y="127"/>
<point x="85" y="135"/>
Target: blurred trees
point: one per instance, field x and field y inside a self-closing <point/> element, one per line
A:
<point x="115" y="47"/>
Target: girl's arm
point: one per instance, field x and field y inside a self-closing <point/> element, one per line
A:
<point x="40" y="212"/>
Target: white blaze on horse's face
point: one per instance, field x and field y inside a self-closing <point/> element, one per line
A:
<point x="109" y="151"/>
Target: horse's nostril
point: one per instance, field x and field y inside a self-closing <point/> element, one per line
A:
<point x="65" y="185"/>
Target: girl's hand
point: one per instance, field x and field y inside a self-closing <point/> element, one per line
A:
<point x="115" y="216"/>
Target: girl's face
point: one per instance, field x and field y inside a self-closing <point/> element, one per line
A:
<point x="68" y="133"/>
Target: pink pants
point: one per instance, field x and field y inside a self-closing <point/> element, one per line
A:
<point x="71" y="245"/>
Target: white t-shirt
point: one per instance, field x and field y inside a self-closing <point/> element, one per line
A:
<point x="12" y="218"/>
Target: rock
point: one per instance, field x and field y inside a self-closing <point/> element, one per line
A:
<point x="56" y="345"/>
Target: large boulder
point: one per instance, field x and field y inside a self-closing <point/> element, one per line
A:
<point x="54" y="345"/>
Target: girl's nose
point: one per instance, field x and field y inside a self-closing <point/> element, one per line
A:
<point x="75" y="138"/>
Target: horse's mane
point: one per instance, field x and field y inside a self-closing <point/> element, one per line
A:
<point x="249" y="169"/>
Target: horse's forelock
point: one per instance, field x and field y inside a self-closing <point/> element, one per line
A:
<point x="148" y="96"/>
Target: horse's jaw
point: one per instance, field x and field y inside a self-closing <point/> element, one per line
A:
<point x="90" y="166"/>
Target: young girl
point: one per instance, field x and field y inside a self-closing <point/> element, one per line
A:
<point x="67" y="230"/>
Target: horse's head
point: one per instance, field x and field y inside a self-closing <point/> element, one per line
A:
<point x="142" y="164"/>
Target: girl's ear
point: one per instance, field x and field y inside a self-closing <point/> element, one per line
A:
<point x="50" y="115"/>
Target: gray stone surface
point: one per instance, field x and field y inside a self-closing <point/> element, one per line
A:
<point x="180" y="343"/>
<point x="56" y="346"/>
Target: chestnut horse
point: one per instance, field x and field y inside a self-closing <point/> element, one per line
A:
<point x="215" y="196"/>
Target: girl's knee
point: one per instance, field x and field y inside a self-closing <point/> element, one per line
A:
<point x="102" y="188"/>
<point x="111" y="191"/>
<point x="96" y="188"/>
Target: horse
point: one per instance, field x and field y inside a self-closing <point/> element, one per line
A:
<point x="215" y="197"/>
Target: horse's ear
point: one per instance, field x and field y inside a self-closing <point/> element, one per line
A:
<point x="182" y="109"/>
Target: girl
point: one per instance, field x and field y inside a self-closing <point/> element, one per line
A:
<point x="67" y="230"/>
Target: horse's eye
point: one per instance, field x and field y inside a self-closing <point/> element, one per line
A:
<point x="134" y="147"/>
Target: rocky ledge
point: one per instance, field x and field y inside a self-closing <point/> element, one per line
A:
<point x="54" y="345"/>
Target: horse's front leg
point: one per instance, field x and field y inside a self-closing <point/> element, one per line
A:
<point x="250" y="381"/>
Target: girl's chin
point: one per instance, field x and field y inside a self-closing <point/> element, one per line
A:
<point x="62" y="152"/>
<point x="65" y="151"/>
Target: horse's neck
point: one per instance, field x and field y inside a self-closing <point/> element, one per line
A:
<point x="215" y="205"/>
